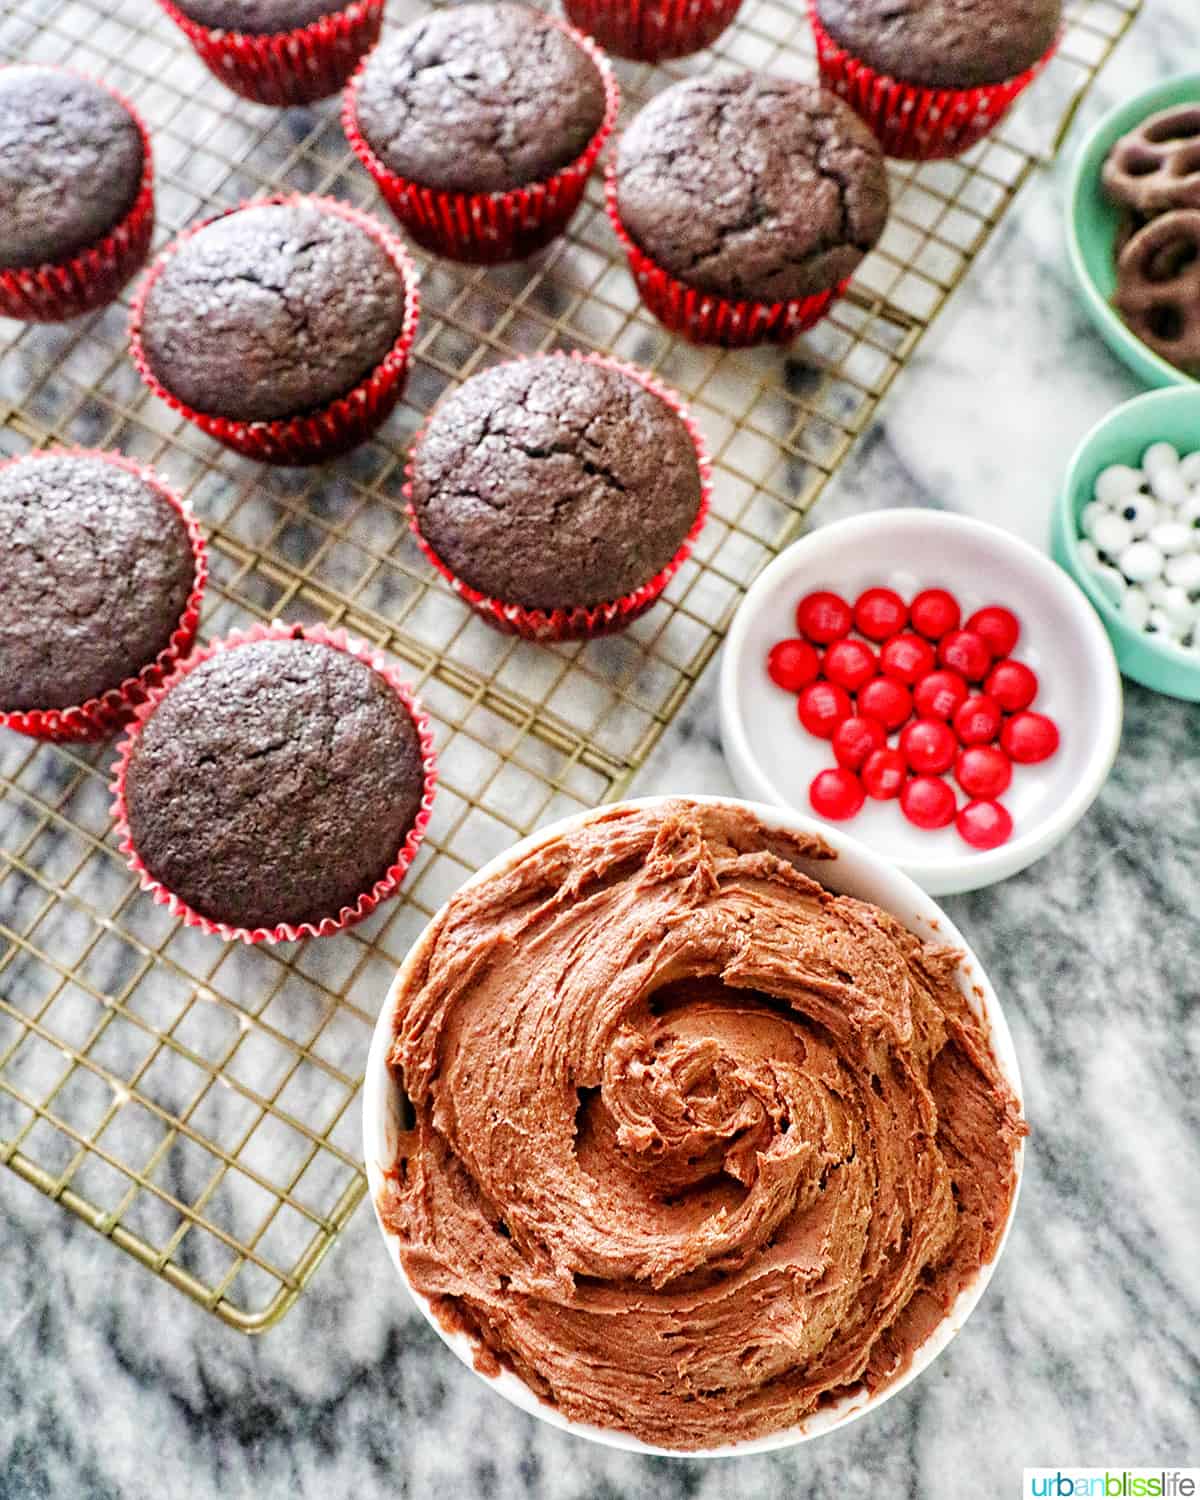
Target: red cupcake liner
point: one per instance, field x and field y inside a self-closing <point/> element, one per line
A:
<point x="93" y="276"/>
<point x="584" y="622"/>
<point x="652" y="30"/>
<point x="913" y="123"/>
<point x="287" y="67"/>
<point x="332" y="429"/>
<point x="488" y="228"/>
<point x="388" y="883"/>
<point x="705" y="317"/>
<point x="100" y="717"/>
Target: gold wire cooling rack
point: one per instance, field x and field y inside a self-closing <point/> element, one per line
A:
<point x="191" y="1100"/>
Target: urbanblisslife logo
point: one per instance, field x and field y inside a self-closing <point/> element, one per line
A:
<point x="1114" y="1484"/>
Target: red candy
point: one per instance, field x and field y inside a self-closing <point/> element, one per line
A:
<point x="934" y="613"/>
<point x="880" y="613"/>
<point x="884" y="774"/>
<point x="928" y="745"/>
<point x="1030" y="737"/>
<point x="983" y="771"/>
<point x="1013" y="685"/>
<point x="928" y="802"/>
<point x="889" y="702"/>
<point x="906" y="658"/>
<point x="855" y="739"/>
<point x="823" y="617"/>
<point x="938" y="694"/>
<point x="836" y="794"/>
<point x="967" y="653"/>
<point x="977" y="721"/>
<point x="793" y="664"/>
<point x="822" y="707"/>
<point x="850" y="664"/>
<point x="998" y="627"/>
<point x="985" y="825"/>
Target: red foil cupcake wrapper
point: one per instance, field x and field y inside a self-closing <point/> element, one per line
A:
<point x="388" y="883"/>
<point x="287" y="67"/>
<point x="652" y="30"/>
<point x="704" y="317"/>
<point x="100" y="717"/>
<point x="487" y="228"/>
<point x="333" y="429"/>
<point x="583" y="622"/>
<point x="913" y="123"/>
<point x="93" y="276"/>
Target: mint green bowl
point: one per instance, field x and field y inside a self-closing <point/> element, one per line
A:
<point x="1121" y="438"/>
<point x="1093" y="222"/>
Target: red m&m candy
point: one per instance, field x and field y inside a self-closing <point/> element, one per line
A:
<point x="822" y="707"/>
<point x="967" y="653"/>
<point x="907" y="658"/>
<point x="884" y="774"/>
<point x="888" y="701"/>
<point x="1000" y="628"/>
<point x="1030" y="737"/>
<point x="855" y="739"/>
<point x="850" y="664"/>
<point x="928" y="802"/>
<point x="880" y="613"/>
<point x="934" y="613"/>
<point x="823" y="617"/>
<point x="985" y="825"/>
<point x="977" y="721"/>
<point x="983" y="771"/>
<point x="928" y="745"/>
<point x="939" y="693"/>
<point x="793" y="664"/>
<point x="1013" y="685"/>
<point x="836" y="794"/>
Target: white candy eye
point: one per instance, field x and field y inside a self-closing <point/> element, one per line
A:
<point x="1189" y="514"/>
<point x="1159" y="624"/>
<point x="1139" y="512"/>
<point x="1112" y="534"/>
<point x="1115" y="482"/>
<point x="1092" y="512"/>
<point x="1169" y="487"/>
<point x="1183" y="572"/>
<point x="1159" y="457"/>
<point x="1178" y="608"/>
<point x="1141" y="561"/>
<point x="1171" y="537"/>
<point x="1189" y="470"/>
<point x="1136" y="608"/>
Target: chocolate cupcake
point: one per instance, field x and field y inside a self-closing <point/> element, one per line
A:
<point x="558" y="494"/>
<point x="652" y="30"/>
<point x="932" y="77"/>
<point x="480" y="125"/>
<point x="102" y="570"/>
<point x="279" y="52"/>
<point x="281" y="328"/>
<point x="76" y="193"/>
<point x="744" y="203"/>
<point x="277" y="786"/>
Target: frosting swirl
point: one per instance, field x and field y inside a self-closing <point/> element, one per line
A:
<point x="698" y="1145"/>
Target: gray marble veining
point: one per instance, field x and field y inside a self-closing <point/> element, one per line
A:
<point x="1086" y="1349"/>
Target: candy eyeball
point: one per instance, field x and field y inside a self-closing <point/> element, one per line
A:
<point x="1139" y="513"/>
<point x="1171" y="537"/>
<point x="1189" y="470"/>
<point x="1189" y="514"/>
<point x="1115" y="482"/>
<point x="1159" y="458"/>
<point x="1169" y="488"/>
<point x="1184" y="572"/>
<point x="1092" y="513"/>
<point x="1136" y="608"/>
<point x="1112" y="533"/>
<point x="1141" y="561"/>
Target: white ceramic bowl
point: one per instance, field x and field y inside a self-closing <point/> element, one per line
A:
<point x="856" y="871"/>
<point x="773" y="759"/>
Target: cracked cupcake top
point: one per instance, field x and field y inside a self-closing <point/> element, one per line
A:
<point x="555" y="483"/>
<point x="96" y="569"/>
<point x="752" y="187"/>
<point x="70" y="164"/>
<point x="480" y="99"/>
<point x="274" y="783"/>
<point x="258" y="17"/>
<point x="272" y="311"/>
<point x="945" y="44"/>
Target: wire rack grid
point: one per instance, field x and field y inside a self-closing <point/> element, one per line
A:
<point x="191" y="1100"/>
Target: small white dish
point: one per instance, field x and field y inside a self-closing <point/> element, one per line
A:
<point x="773" y="758"/>
<point x="856" y="871"/>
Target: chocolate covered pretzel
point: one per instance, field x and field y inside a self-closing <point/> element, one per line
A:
<point x="1158" y="286"/>
<point x="1156" y="167"/>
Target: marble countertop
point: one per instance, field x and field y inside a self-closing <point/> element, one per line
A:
<point x="1085" y="1349"/>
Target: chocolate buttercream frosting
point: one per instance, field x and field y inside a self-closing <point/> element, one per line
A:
<point x="697" y="1146"/>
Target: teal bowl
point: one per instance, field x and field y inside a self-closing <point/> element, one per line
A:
<point x="1093" y="223"/>
<point x="1121" y="438"/>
